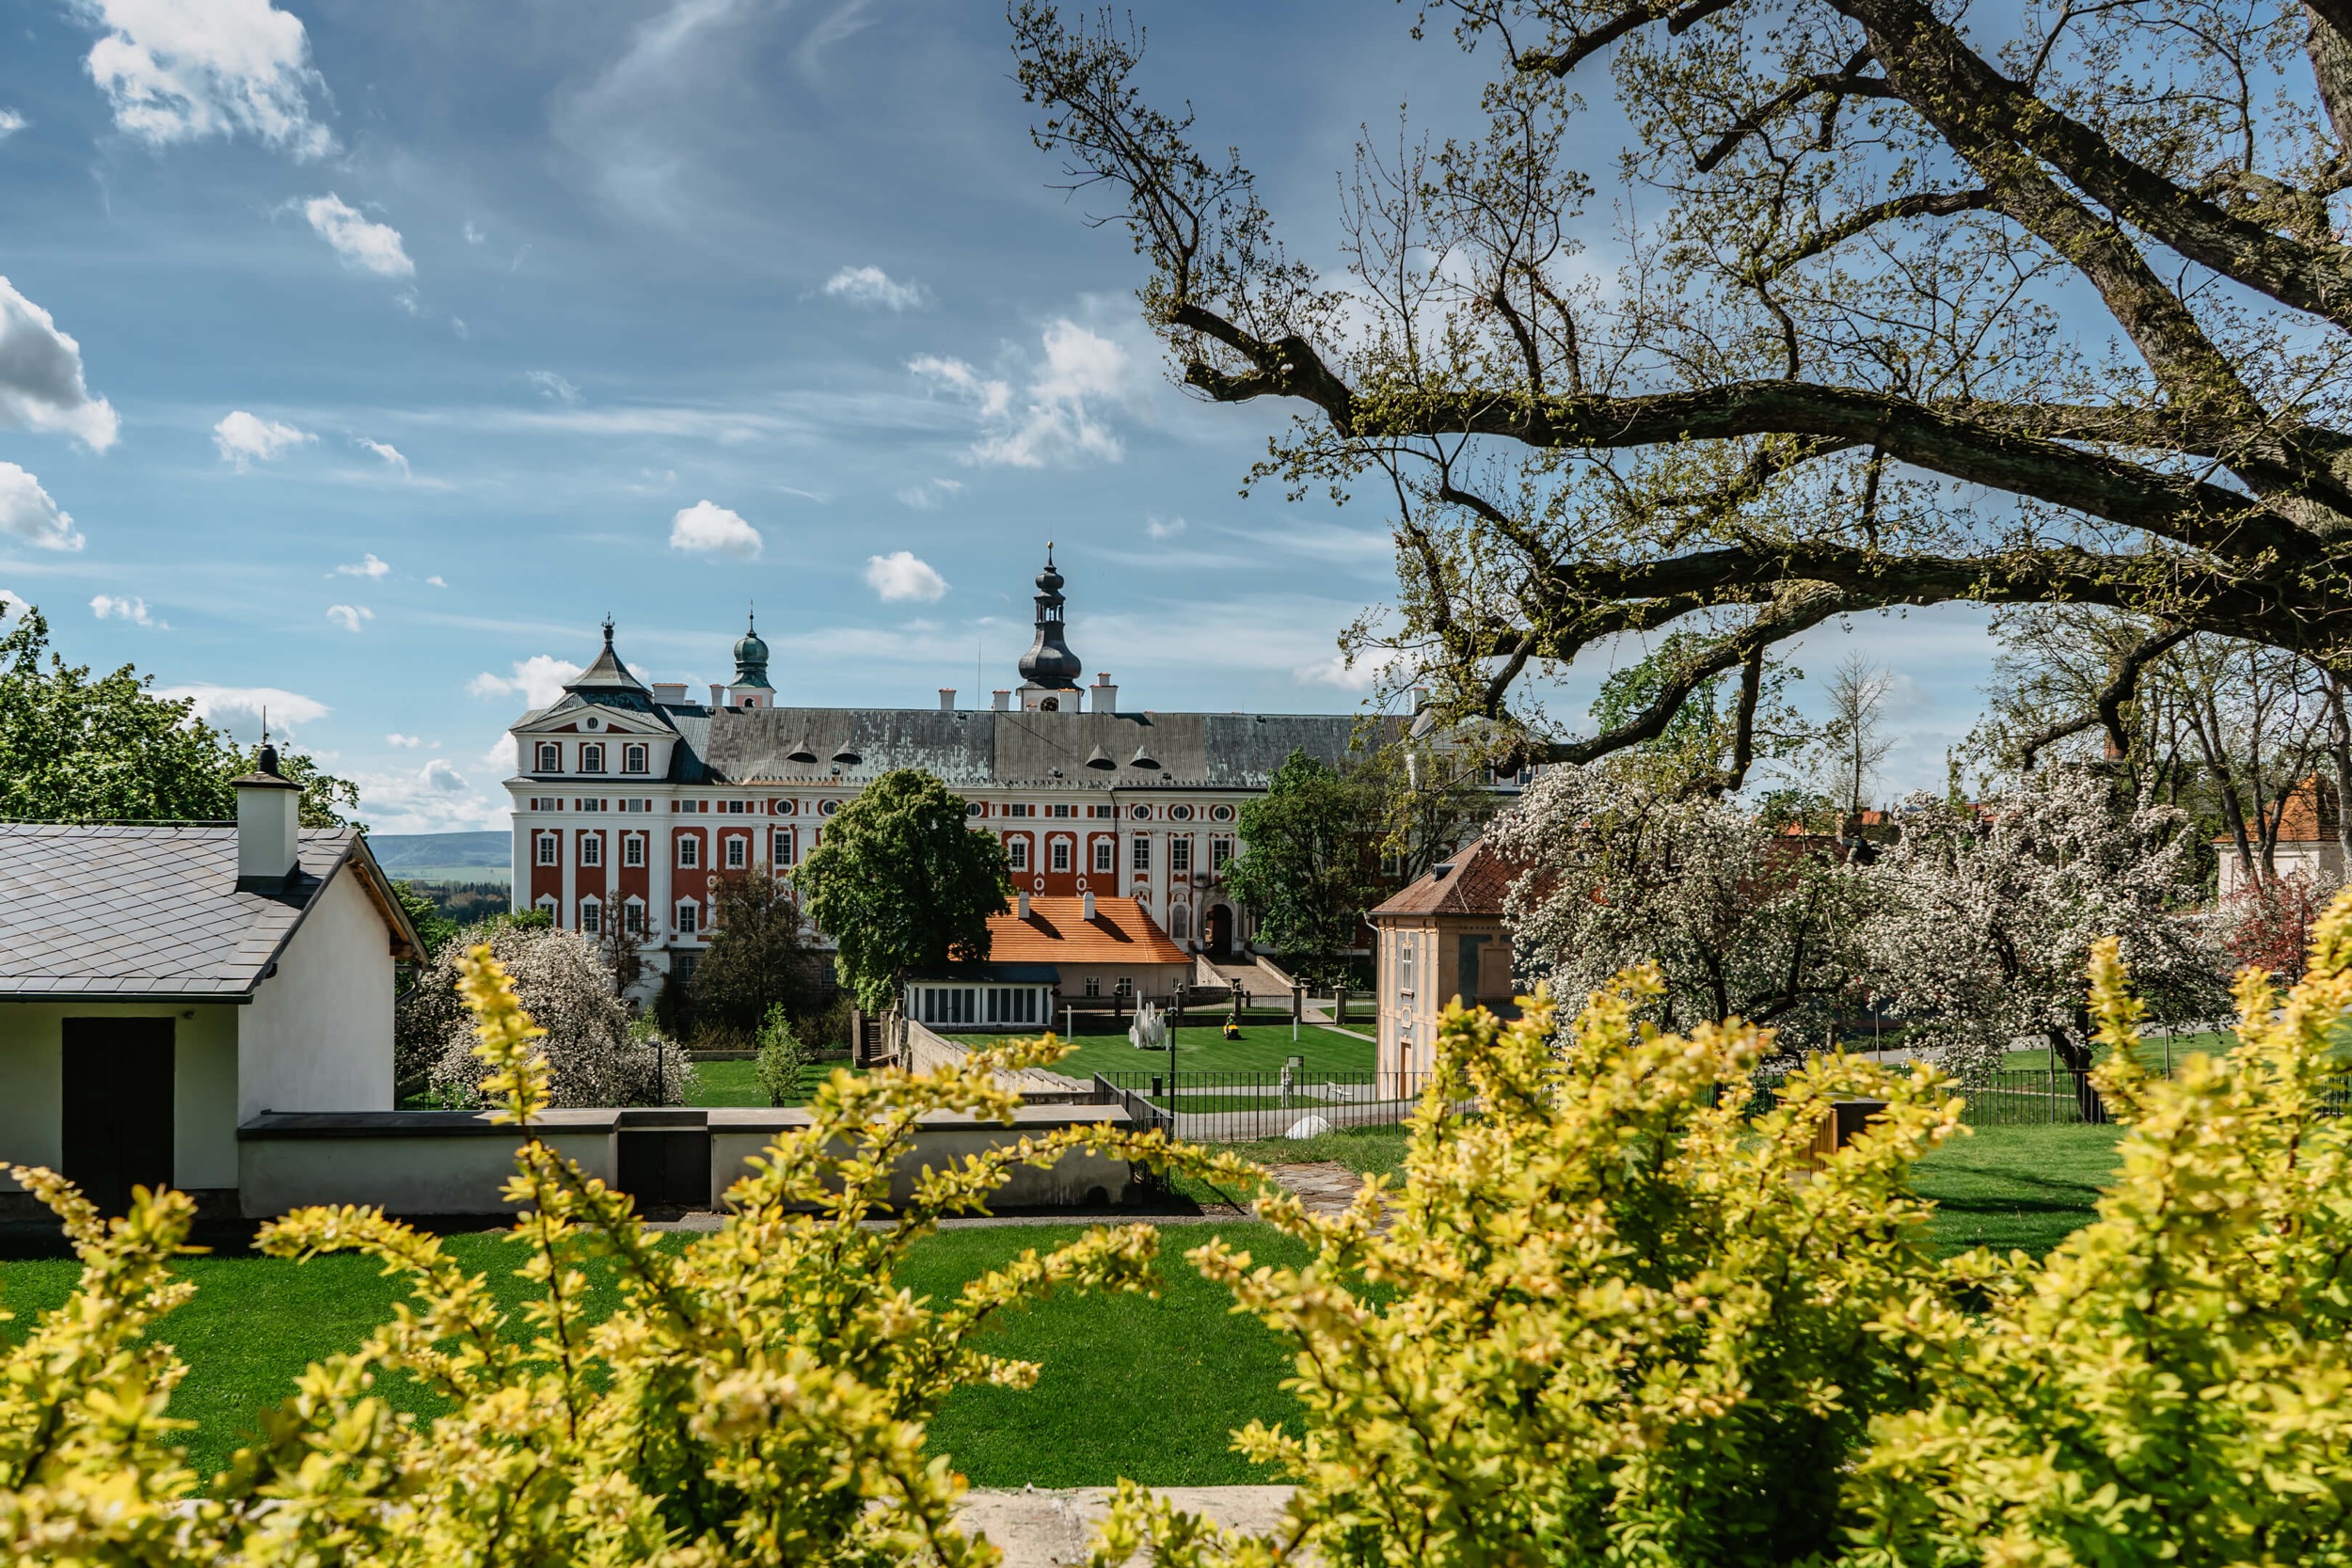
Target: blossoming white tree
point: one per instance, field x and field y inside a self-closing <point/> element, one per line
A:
<point x="595" y="1058"/>
<point x="1622" y="867"/>
<point x="1990" y="914"/>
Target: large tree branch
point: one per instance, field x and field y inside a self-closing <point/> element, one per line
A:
<point x="1938" y="204"/>
<point x="2107" y="708"/>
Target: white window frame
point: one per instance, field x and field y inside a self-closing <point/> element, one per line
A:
<point x="632" y="850"/>
<point x="633" y="916"/>
<point x="689" y="917"/>
<point x="735" y="854"/>
<point x="1057" y="854"/>
<point x="592" y="849"/>
<point x="1106" y="857"/>
<point x="551" y="757"/>
<point x="636" y="757"/>
<point x="1180" y="855"/>
<point x="1017" y="853"/>
<point x="592" y="756"/>
<point x="1140" y="857"/>
<point x="784" y="847"/>
<point x="690" y="852"/>
<point x="549" y="849"/>
<point x="591" y="915"/>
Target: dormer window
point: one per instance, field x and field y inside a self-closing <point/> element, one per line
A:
<point x="634" y="759"/>
<point x="591" y="758"/>
<point x="551" y="758"/>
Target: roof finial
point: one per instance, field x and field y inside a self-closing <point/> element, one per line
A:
<point x="750" y="615"/>
<point x="608" y="628"/>
<point x="1049" y="552"/>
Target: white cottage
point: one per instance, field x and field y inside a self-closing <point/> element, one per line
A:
<point x="162" y="985"/>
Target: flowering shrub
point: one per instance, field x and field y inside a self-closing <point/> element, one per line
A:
<point x="1613" y="1325"/>
<point x="755" y="1399"/>
<point x="2269" y="924"/>
<point x="566" y="982"/>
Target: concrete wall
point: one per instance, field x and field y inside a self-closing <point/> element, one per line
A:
<point x="1080" y="1179"/>
<point x="204" y="1091"/>
<point x="403" y="1161"/>
<point x="318" y="1036"/>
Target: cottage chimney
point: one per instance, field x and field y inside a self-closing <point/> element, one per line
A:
<point x="1021" y="906"/>
<point x="1086" y="907"/>
<point x="718" y="695"/>
<point x="1105" y="694"/>
<point x="946" y="699"/>
<point x="1003" y="701"/>
<point x="269" y="823"/>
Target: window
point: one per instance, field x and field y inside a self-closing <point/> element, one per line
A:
<point x="1125" y="986"/>
<point x="1180" y="922"/>
<point x="591" y="852"/>
<point x="1094" y="985"/>
<point x="634" y="759"/>
<point x="1220" y="814"/>
<point x="551" y="758"/>
<point x="1405" y="965"/>
<point x="1106" y="855"/>
<point x="1058" y="809"/>
<point x="1061" y="854"/>
<point x="1180" y="854"/>
<point x="548" y="848"/>
<point x="633" y="918"/>
<point x="546" y="901"/>
<point x="588" y="805"/>
<point x="689" y="851"/>
<point x="633" y="849"/>
<point x="1142" y="859"/>
<point x="591" y="916"/>
<point x="781" y="846"/>
<point x="591" y="758"/>
<point x="1182" y="814"/>
<point x="739" y="851"/>
<point x="1017" y="853"/>
<point x="1019" y="811"/>
<point x="1220" y="851"/>
<point x="689" y="916"/>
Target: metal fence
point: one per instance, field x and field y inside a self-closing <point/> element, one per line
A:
<point x="1242" y="1106"/>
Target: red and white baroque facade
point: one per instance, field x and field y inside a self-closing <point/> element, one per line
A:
<point x="631" y="801"/>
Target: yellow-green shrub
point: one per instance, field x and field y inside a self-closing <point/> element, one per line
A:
<point x="757" y="1398"/>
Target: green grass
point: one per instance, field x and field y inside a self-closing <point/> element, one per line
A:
<point x="1131" y="1387"/>
<point x="1263" y="1048"/>
<point x="737" y="1084"/>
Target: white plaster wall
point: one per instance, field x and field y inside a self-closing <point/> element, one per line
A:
<point x="204" y="1091"/>
<point x="318" y="1036"/>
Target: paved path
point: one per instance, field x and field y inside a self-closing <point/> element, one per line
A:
<point x="1055" y="1530"/>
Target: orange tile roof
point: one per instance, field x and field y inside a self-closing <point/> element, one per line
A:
<point x="1123" y="931"/>
<point x="1474" y="881"/>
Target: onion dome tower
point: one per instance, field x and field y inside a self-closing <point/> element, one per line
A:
<point x="1049" y="670"/>
<point x="751" y="658"/>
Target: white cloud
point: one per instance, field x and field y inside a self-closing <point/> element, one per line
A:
<point x="1057" y="416"/>
<point x="245" y="439"/>
<point x="473" y="232"/>
<point x="537" y="680"/>
<point x="367" y="567"/>
<point x="457" y="325"/>
<point x="349" y="616"/>
<point x="364" y="245"/>
<point x="390" y="453"/>
<point x="1163" y="528"/>
<point x="705" y="529"/>
<point x="552" y="385"/>
<point x="901" y="576"/>
<point x="928" y="496"/>
<point x="233" y="706"/>
<point x="28" y="512"/>
<point x="179" y="71"/>
<point x="407" y="299"/>
<point x="106" y="606"/>
<point x="41" y="387"/>
<point x="437" y="582"/>
<point x="410" y="741"/>
<point x="873" y="286"/>
<point x="10" y="123"/>
<point x="442" y="778"/>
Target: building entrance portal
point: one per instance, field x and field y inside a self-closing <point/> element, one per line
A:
<point x="1218" y="928"/>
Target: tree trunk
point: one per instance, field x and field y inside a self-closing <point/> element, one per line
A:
<point x="2340" y="755"/>
<point x="2073" y="1053"/>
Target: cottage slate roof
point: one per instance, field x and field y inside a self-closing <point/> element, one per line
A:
<point x="1058" y="932"/>
<point x="1474" y="881"/>
<point x="101" y="912"/>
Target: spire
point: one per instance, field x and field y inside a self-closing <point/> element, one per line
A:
<point x="607" y="680"/>
<point x="751" y="656"/>
<point x="1049" y="661"/>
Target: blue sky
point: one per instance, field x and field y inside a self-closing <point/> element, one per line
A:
<point x="359" y="359"/>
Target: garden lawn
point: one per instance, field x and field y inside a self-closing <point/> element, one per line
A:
<point x="1261" y="1048"/>
<point x="1131" y="1387"/>
<point x="737" y="1084"/>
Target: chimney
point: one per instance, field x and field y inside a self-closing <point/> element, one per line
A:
<point x="1021" y="906"/>
<point x="269" y="820"/>
<point x="1003" y="702"/>
<point x="718" y="695"/>
<point x="1105" y="694"/>
<point x="946" y="699"/>
<point x="1086" y="908"/>
<point x="672" y="692"/>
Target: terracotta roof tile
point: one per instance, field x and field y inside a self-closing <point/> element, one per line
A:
<point x="1475" y="881"/>
<point x="1123" y="931"/>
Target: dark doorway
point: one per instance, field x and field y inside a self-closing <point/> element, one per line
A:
<point x="117" y="1118"/>
<point x="666" y="1166"/>
<point x="1219" y="928"/>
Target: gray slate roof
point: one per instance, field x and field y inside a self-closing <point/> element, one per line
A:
<point x="92" y="912"/>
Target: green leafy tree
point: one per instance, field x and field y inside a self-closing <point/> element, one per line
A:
<point x="759" y="956"/>
<point x="900" y="882"/>
<point x="1309" y="864"/>
<point x="1705" y="740"/>
<point x="78" y="748"/>
<point x="784" y="1059"/>
<point x="434" y="927"/>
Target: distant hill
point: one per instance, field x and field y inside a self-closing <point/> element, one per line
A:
<point x="483" y="857"/>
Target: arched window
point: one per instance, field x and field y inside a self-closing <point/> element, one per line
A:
<point x="633" y="917"/>
<point x="591" y="916"/>
<point x="1179" y="921"/>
